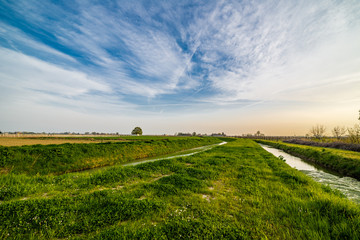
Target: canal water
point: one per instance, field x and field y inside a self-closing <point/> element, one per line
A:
<point x="347" y="185"/>
<point x="184" y="153"/>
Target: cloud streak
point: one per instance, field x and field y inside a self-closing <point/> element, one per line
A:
<point x="254" y="50"/>
<point x="151" y="57"/>
<point x="43" y="83"/>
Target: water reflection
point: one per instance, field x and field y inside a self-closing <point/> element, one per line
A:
<point x="294" y="162"/>
<point x="347" y="185"/>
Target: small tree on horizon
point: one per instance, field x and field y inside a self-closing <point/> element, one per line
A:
<point x="137" y="131"/>
<point x="354" y="134"/>
<point x="318" y="131"/>
<point x="338" y="132"/>
<point x="259" y="134"/>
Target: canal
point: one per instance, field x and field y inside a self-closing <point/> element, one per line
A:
<point x="347" y="185"/>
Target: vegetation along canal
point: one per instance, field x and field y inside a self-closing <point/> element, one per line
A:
<point x="347" y="185"/>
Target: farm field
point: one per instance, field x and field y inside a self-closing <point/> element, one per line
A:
<point x="342" y="161"/>
<point x="233" y="191"/>
<point x="17" y="141"/>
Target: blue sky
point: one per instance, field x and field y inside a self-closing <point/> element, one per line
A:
<point x="170" y="66"/>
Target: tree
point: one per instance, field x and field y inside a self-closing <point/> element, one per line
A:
<point x="318" y="131"/>
<point x="194" y="134"/>
<point x="338" y="131"/>
<point x="137" y="131"/>
<point x="259" y="134"/>
<point x="354" y="134"/>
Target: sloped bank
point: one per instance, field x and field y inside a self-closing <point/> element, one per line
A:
<point x="325" y="158"/>
<point x="63" y="158"/>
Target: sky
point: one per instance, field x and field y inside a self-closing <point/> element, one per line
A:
<point x="278" y="67"/>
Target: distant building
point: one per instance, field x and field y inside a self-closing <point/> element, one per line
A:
<point x="184" y="134"/>
<point x="218" y="135"/>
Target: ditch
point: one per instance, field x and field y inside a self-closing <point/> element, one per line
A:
<point x="184" y="153"/>
<point x="350" y="187"/>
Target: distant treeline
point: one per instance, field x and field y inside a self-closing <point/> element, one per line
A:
<point x="273" y="138"/>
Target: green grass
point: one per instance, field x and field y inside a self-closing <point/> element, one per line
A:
<point x="234" y="191"/>
<point x="62" y="158"/>
<point x="342" y="161"/>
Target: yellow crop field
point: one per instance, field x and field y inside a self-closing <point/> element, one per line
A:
<point x="20" y="141"/>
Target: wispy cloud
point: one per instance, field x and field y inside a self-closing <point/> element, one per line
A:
<point x="19" y="41"/>
<point x="134" y="59"/>
<point x="43" y="83"/>
<point x="254" y="50"/>
<point x="185" y="56"/>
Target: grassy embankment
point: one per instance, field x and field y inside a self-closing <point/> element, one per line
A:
<point x="47" y="140"/>
<point x="233" y="191"/>
<point x="326" y="143"/>
<point x="57" y="159"/>
<point x="344" y="162"/>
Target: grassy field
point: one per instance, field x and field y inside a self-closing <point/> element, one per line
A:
<point x="234" y="191"/>
<point x="342" y="161"/>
